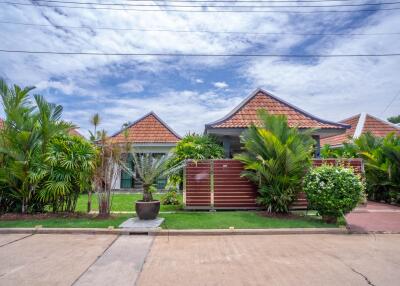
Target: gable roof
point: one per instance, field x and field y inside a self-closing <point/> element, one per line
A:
<point x="75" y="132"/>
<point x="147" y="129"/>
<point x="360" y="124"/>
<point x="246" y="113"/>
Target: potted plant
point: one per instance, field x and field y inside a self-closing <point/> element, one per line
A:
<point x="149" y="168"/>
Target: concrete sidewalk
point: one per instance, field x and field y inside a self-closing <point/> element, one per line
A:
<point x="63" y="259"/>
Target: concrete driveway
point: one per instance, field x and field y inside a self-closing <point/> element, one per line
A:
<point x="200" y="260"/>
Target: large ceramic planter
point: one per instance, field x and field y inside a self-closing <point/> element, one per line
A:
<point x="147" y="210"/>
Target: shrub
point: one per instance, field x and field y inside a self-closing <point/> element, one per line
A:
<point x="170" y="198"/>
<point x="333" y="191"/>
<point x="276" y="158"/>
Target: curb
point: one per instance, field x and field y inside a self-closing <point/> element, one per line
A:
<point x="270" y="231"/>
<point x="165" y="232"/>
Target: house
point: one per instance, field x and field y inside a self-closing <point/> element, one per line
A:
<point x="148" y="134"/>
<point x="229" y="128"/>
<point x="1" y="123"/>
<point x="360" y="124"/>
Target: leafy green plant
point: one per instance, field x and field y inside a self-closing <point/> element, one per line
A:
<point x="24" y="139"/>
<point x="149" y="168"/>
<point x="276" y="158"/>
<point x="333" y="191"/>
<point x="170" y="198"/>
<point x="381" y="160"/>
<point x="67" y="171"/>
<point x="195" y="147"/>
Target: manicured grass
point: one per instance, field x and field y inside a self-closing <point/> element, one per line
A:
<point x="67" y="222"/>
<point x="238" y="219"/>
<point x="181" y="220"/>
<point x="121" y="203"/>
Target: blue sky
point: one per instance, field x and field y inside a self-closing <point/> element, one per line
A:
<point x="189" y="92"/>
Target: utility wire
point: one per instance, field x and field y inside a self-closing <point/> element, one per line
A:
<point x="390" y="103"/>
<point x="201" y="55"/>
<point x="196" y="31"/>
<point x="214" y="6"/>
<point x="243" y="1"/>
<point x="200" y="11"/>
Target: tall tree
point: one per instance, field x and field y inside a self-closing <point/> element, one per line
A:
<point x="394" y="119"/>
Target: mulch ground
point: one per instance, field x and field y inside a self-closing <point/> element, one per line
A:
<point x="40" y="216"/>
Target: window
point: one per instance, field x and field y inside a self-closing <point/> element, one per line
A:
<point x="127" y="181"/>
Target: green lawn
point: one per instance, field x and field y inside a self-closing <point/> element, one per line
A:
<point x="237" y="219"/>
<point x="121" y="203"/>
<point x="182" y="220"/>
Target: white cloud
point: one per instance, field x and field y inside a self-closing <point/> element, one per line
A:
<point x="131" y="86"/>
<point x="332" y="88"/>
<point x="220" y="84"/>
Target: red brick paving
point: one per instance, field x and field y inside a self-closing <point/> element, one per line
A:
<point x="375" y="217"/>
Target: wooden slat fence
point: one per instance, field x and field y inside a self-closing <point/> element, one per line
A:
<point x="210" y="184"/>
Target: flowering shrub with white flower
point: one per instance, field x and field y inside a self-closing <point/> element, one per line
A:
<point x="333" y="190"/>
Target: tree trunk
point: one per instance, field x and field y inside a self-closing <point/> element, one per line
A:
<point x="147" y="195"/>
<point x="89" y="203"/>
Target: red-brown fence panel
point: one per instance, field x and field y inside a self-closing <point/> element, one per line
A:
<point x="197" y="184"/>
<point x="230" y="189"/>
<point x="218" y="184"/>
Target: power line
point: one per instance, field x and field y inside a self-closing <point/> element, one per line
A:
<point x="215" y="6"/>
<point x="390" y="103"/>
<point x="201" y="55"/>
<point x="197" y="31"/>
<point x="200" y="11"/>
<point x="245" y="1"/>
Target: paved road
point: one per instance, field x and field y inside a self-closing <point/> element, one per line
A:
<point x="274" y="260"/>
<point x="200" y="260"/>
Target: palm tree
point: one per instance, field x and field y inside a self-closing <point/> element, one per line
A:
<point x="149" y="168"/>
<point x="20" y="142"/>
<point x="95" y="121"/>
<point x="69" y="166"/>
<point x="24" y="140"/>
<point x="276" y="158"/>
<point x="48" y="117"/>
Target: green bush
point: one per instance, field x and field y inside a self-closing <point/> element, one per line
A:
<point x="170" y="198"/>
<point x="333" y="191"/>
<point x="276" y="158"/>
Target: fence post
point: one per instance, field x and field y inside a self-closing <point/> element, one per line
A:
<point x="184" y="183"/>
<point x="212" y="184"/>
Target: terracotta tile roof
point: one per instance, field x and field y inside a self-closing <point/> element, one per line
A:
<point x="148" y="129"/>
<point x="246" y="114"/>
<point x="360" y="124"/>
<point x="75" y="132"/>
<point x="1" y="123"/>
<point x="379" y="127"/>
<point x="339" y="139"/>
